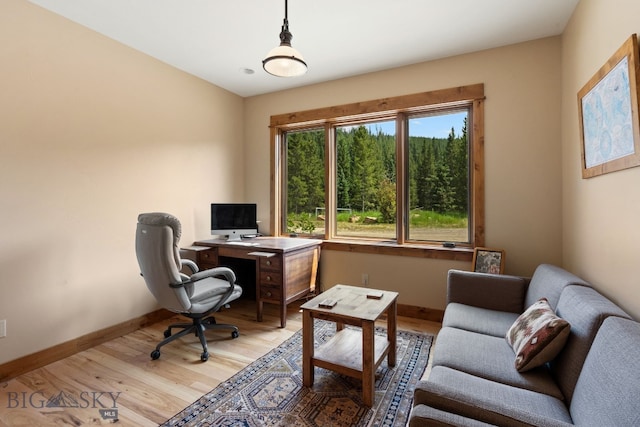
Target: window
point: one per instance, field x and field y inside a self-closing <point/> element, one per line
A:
<point x="365" y="180"/>
<point x="438" y="177"/>
<point x="406" y="170"/>
<point x="305" y="191"/>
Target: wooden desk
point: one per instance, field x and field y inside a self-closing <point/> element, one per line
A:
<point x="351" y="352"/>
<point x="285" y="267"/>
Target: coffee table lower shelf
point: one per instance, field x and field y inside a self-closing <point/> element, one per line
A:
<point x="343" y="353"/>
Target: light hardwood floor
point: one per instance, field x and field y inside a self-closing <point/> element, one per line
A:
<point x="148" y="392"/>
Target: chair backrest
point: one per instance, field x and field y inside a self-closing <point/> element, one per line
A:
<point x="157" y="237"/>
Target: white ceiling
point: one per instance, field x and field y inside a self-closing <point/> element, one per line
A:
<point x="218" y="40"/>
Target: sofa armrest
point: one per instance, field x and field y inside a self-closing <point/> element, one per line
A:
<point x="491" y="291"/>
<point x="423" y="415"/>
<point x="478" y="407"/>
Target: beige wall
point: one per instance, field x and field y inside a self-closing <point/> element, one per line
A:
<point x="522" y="157"/>
<point x="91" y="134"/>
<point x="601" y="215"/>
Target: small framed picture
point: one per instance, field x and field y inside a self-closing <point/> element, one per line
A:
<point x="486" y="260"/>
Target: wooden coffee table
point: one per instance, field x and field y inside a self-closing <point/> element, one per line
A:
<point x="353" y="352"/>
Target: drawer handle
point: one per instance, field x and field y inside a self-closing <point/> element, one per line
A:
<point x="268" y="262"/>
<point x="269" y="278"/>
<point x="206" y="255"/>
<point x="268" y="294"/>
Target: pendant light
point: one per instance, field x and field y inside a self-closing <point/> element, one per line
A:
<point x="285" y="61"/>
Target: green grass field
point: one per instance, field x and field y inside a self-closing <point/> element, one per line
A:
<point x="424" y="225"/>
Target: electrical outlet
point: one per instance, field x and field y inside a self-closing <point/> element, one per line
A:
<point x="3" y="328"/>
<point x="365" y="280"/>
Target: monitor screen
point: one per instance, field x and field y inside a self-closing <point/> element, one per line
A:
<point x="233" y="220"/>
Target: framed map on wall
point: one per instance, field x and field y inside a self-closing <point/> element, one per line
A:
<point x="608" y="109"/>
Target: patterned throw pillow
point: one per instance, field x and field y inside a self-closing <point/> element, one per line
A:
<point x="537" y="336"/>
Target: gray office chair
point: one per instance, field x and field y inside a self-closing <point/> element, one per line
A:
<point x="195" y="296"/>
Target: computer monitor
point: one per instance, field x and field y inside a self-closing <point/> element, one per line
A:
<point x="233" y="220"/>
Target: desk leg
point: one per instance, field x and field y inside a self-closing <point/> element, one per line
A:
<point x="259" y="310"/>
<point x="307" y="349"/>
<point x="283" y="314"/>
<point x="392" y="335"/>
<point x="368" y="372"/>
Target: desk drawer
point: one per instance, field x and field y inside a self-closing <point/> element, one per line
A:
<point x="273" y="293"/>
<point x="207" y="259"/>
<point x="270" y="278"/>
<point x="273" y="263"/>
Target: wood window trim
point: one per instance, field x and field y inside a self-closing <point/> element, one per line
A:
<point x="379" y="108"/>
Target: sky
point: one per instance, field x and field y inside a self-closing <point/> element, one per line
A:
<point x="429" y="126"/>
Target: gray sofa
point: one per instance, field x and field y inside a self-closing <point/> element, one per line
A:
<point x="593" y="381"/>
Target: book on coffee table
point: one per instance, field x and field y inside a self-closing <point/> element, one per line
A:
<point x="375" y="294"/>
<point x="327" y="303"/>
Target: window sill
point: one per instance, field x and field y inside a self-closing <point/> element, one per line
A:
<point x="394" y="249"/>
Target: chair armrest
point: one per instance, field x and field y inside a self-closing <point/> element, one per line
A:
<point x="491" y="291"/>
<point x="225" y="272"/>
<point x="192" y="265"/>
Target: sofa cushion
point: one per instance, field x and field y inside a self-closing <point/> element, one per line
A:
<point x="609" y="385"/>
<point x="537" y="336"/>
<point x="488" y="401"/>
<point x="476" y="319"/>
<point x="548" y="281"/>
<point x="585" y="309"/>
<point x="488" y="357"/>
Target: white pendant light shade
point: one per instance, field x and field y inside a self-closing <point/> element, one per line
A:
<point x="285" y="61"/>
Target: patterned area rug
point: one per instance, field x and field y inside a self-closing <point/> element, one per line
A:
<point x="269" y="392"/>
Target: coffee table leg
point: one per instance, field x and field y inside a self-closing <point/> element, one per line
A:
<point x="392" y="334"/>
<point x="307" y="348"/>
<point x="368" y="373"/>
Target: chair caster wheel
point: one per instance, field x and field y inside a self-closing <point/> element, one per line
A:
<point x="204" y="356"/>
<point x="155" y="354"/>
<point x="167" y="333"/>
<point x="235" y="334"/>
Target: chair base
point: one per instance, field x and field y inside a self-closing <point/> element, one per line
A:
<point x="199" y="325"/>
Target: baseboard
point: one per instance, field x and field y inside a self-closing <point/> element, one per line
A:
<point x="44" y="357"/>
<point x="420" y="313"/>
